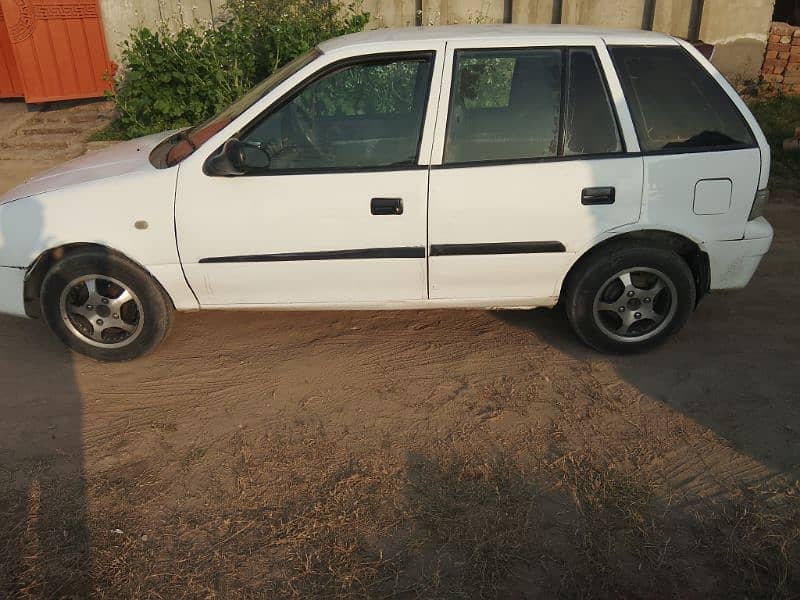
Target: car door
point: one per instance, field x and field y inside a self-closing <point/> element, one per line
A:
<point x="531" y="167"/>
<point x="331" y="205"/>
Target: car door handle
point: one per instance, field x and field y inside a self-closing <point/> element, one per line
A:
<point x="598" y="195"/>
<point x="386" y="206"/>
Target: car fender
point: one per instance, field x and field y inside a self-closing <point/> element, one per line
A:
<point x="131" y="214"/>
<point x="617" y="232"/>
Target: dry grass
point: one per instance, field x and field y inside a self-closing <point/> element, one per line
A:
<point x="758" y="540"/>
<point x="305" y="515"/>
<point x="309" y="512"/>
<point x="474" y="517"/>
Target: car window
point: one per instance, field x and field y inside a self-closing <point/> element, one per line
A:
<point x="675" y="103"/>
<point x="486" y="81"/>
<point x="504" y="105"/>
<point x="360" y="116"/>
<point x="590" y="126"/>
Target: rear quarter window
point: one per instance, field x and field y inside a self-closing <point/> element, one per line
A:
<point x="675" y="103"/>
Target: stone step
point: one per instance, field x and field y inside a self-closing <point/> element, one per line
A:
<point x="67" y="119"/>
<point x="48" y="131"/>
<point x="36" y="149"/>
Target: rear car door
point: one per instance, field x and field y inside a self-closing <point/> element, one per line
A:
<point x="531" y="167"/>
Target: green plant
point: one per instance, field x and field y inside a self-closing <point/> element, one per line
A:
<point x="779" y="116"/>
<point x="177" y="78"/>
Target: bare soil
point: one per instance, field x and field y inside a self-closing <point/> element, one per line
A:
<point x="453" y="454"/>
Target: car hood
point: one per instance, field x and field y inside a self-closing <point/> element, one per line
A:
<point x="120" y="159"/>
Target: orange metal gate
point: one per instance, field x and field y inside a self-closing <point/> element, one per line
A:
<point x="53" y="50"/>
<point x="10" y="83"/>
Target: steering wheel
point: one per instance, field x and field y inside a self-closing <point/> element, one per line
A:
<point x="303" y="124"/>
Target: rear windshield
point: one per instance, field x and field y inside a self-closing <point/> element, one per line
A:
<point x="675" y="103"/>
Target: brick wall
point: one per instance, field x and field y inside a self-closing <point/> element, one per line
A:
<point x="781" y="70"/>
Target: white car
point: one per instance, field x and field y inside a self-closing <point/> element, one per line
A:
<point x="483" y="166"/>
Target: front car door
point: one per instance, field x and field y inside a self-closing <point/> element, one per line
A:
<point x="535" y="160"/>
<point x="331" y="207"/>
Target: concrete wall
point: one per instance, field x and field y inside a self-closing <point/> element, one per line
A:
<point x="626" y="14"/>
<point x="739" y="28"/>
<point x="120" y="16"/>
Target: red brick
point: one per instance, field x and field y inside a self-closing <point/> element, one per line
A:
<point x="792" y="90"/>
<point x="782" y="47"/>
<point x="795" y="49"/>
<point x="796" y="41"/>
<point x="797" y="32"/>
<point x="793" y="68"/>
<point x="782" y="29"/>
<point x="793" y="79"/>
<point x="771" y="54"/>
<point x="794" y="58"/>
<point x="784" y="55"/>
<point x="771" y="78"/>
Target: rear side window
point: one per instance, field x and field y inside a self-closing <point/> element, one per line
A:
<point x="504" y="105"/>
<point x="590" y="125"/>
<point x="675" y="103"/>
<point x="520" y="104"/>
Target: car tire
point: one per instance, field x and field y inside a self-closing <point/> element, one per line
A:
<point x="104" y="306"/>
<point x="626" y="298"/>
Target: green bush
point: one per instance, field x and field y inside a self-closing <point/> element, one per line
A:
<point x="779" y="116"/>
<point x="175" y="79"/>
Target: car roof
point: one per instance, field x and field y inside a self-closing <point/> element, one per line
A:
<point x="444" y="33"/>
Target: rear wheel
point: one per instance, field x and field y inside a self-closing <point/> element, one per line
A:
<point x="101" y="305"/>
<point x="627" y="299"/>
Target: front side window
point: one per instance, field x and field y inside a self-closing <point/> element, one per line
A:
<point x="519" y="104"/>
<point x="359" y="116"/>
<point x="676" y="105"/>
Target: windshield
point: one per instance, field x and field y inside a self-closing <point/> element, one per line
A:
<point x="182" y="144"/>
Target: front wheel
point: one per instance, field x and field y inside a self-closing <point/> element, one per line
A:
<point x="627" y="298"/>
<point x="101" y="305"/>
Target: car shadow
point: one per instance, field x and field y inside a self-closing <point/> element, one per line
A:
<point x="44" y="538"/>
<point x="733" y="368"/>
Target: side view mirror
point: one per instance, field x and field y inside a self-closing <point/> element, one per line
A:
<point x="230" y="160"/>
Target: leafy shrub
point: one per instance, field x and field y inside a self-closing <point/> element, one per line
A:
<point x="175" y="79"/>
<point x="779" y="116"/>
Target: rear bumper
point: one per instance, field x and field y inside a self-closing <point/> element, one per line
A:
<point x="733" y="263"/>
<point x="12" y="282"/>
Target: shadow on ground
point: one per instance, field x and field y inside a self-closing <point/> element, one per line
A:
<point x="44" y="539"/>
<point x="734" y="367"/>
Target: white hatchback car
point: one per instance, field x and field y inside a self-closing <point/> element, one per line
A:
<point x="483" y="166"/>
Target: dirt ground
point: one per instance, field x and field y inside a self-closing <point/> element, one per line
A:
<point x="453" y="454"/>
